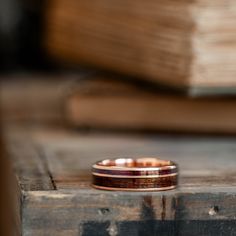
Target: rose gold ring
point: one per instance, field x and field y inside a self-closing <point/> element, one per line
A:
<point x="135" y="174"/>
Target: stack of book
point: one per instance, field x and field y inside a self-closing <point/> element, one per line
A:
<point x="187" y="46"/>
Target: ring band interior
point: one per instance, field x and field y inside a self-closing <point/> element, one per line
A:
<point x="138" y="162"/>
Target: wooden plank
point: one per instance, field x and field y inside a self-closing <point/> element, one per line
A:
<point x="75" y="211"/>
<point x="103" y="103"/>
<point x="129" y="44"/>
<point x="120" y="206"/>
<point x="30" y="167"/>
<point x="204" y="203"/>
<point x="184" y="44"/>
<point x="202" y="161"/>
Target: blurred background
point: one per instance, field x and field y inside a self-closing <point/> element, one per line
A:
<point x="129" y="67"/>
<point x="147" y="69"/>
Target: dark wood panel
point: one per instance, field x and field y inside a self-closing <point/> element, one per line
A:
<point x="77" y="211"/>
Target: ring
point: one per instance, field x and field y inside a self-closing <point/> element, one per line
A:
<point x="135" y="174"/>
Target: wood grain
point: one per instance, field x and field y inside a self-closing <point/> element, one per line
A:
<point x="185" y="44"/>
<point x="113" y="104"/>
<point x="206" y="196"/>
<point x="30" y="168"/>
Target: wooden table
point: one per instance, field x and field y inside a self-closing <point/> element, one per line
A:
<point x="55" y="197"/>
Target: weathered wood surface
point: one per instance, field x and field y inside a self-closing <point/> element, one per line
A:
<point x="204" y="203"/>
<point x="30" y="168"/>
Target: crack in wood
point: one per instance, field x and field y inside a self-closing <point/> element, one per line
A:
<point x="163" y="212"/>
<point x="43" y="159"/>
<point x="147" y="209"/>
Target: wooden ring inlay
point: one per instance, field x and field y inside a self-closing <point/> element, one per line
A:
<point x="135" y="174"/>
